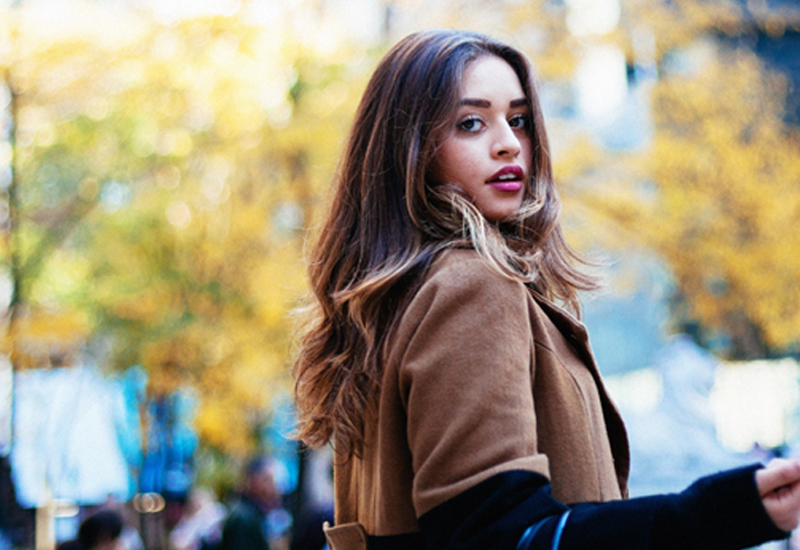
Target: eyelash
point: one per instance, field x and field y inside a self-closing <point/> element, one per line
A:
<point x="469" y="120"/>
<point x="522" y="121"/>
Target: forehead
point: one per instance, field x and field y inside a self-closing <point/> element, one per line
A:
<point x="489" y="76"/>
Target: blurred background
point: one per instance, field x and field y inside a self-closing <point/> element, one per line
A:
<point x="163" y="162"/>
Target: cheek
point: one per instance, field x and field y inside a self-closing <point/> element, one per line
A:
<point x="452" y="162"/>
<point x="527" y="152"/>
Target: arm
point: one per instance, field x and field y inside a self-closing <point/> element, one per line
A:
<point x="479" y="479"/>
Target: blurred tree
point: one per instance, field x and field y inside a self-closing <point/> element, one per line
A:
<point x="36" y="218"/>
<point x="725" y="170"/>
<point x="165" y="175"/>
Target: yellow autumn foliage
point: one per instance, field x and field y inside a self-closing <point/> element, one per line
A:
<point x="197" y="157"/>
<point x="715" y="195"/>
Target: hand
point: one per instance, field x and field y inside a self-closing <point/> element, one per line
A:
<point x="779" y="487"/>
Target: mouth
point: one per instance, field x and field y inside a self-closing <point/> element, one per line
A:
<point x="508" y="178"/>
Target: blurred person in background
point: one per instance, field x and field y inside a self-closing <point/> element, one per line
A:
<point x="200" y="527"/>
<point x="130" y="537"/>
<point x="246" y="527"/>
<point x="99" y="531"/>
<point x="316" y="498"/>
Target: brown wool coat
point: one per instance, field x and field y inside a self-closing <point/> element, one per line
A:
<point x="481" y="378"/>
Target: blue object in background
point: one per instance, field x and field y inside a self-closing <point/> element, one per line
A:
<point x="167" y="465"/>
<point x="154" y="457"/>
<point x="281" y="447"/>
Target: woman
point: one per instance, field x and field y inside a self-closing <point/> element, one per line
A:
<point x="466" y="408"/>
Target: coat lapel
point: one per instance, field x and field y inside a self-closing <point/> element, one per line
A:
<point x="576" y="334"/>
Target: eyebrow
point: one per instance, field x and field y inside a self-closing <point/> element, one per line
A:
<point x="485" y="104"/>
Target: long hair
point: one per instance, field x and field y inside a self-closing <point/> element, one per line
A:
<point x="388" y="220"/>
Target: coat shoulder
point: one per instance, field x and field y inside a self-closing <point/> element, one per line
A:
<point x="464" y="270"/>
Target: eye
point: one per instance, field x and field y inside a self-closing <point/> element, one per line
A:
<point x="470" y="124"/>
<point x="518" y="121"/>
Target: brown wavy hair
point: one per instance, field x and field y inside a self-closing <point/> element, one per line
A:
<point x="388" y="220"/>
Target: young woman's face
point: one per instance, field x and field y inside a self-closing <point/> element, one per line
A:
<point x="487" y="151"/>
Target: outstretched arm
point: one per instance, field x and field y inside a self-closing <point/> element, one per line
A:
<point x="480" y="481"/>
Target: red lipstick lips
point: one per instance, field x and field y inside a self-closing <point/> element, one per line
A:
<point x="508" y="178"/>
<point x="507" y="173"/>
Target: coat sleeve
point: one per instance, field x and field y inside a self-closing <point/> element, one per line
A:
<point x="465" y="382"/>
<point x="465" y="368"/>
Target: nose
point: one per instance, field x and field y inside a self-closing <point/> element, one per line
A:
<point x="506" y="142"/>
